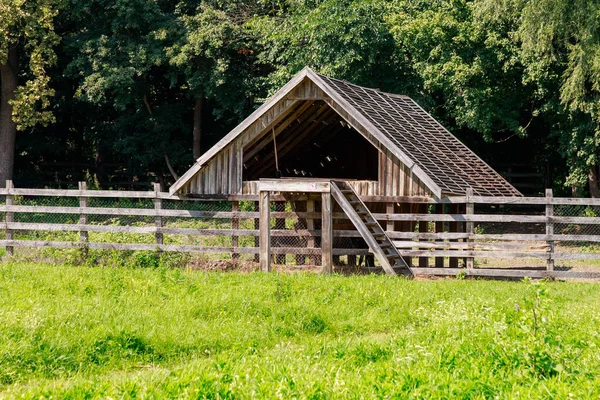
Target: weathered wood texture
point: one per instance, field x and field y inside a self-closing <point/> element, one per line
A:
<point x="327" y="234"/>
<point x="223" y="172"/>
<point x="396" y="179"/>
<point x="422" y="243"/>
<point x="9" y="216"/>
<point x="265" y="234"/>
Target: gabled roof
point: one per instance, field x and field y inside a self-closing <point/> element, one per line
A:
<point x="435" y="156"/>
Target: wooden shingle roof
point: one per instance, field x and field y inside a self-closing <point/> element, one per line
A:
<point x="447" y="161"/>
<point x="435" y="156"/>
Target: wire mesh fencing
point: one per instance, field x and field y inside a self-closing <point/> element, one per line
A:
<point x="147" y="228"/>
<point x="295" y="227"/>
<point x="206" y="231"/>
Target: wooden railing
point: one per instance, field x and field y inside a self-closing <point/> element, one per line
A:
<point x="451" y="239"/>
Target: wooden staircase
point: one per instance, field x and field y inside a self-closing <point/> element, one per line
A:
<point x="368" y="227"/>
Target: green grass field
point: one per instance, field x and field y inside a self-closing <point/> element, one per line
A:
<point x="85" y="332"/>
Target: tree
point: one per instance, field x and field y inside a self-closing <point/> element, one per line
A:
<point x="559" y="45"/>
<point x="346" y="39"/>
<point x="469" y="67"/>
<point x="213" y="58"/>
<point x="27" y="39"/>
<point x="152" y="70"/>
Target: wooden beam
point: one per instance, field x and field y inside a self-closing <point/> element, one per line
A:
<point x="550" y="230"/>
<point x="439" y="230"/>
<point x="470" y="228"/>
<point x="327" y="232"/>
<point x="235" y="224"/>
<point x="9" y="217"/>
<point x="453" y="262"/>
<point x="257" y="228"/>
<point x="265" y="234"/>
<point x="294" y="185"/>
<point x="502" y="273"/>
<point x="158" y="221"/>
<point x="83" y="218"/>
<point x="423" y="226"/>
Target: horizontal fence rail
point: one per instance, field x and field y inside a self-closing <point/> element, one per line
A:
<point x="444" y="236"/>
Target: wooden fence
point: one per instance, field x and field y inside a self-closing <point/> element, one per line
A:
<point x="533" y="236"/>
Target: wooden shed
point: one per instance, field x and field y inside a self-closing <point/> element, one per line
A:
<point x="364" y="144"/>
<point x="318" y="127"/>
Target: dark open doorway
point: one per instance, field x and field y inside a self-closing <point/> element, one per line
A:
<point x="315" y="143"/>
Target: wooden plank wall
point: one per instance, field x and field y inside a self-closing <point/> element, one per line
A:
<point x="396" y="179"/>
<point x="222" y="175"/>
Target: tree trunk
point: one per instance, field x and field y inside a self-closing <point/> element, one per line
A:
<point x="8" y="128"/>
<point x="197" y="128"/>
<point x="593" y="181"/>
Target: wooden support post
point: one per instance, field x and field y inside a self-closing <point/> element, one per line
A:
<point x="470" y="227"/>
<point x="9" y="217"/>
<point x="83" y="218"/>
<point x="310" y="225"/>
<point x="265" y="231"/>
<point x="327" y="233"/>
<point x="280" y="241"/>
<point x="256" y="227"/>
<point x="158" y="220"/>
<point x="439" y="228"/>
<point x="454" y="209"/>
<point x="389" y="209"/>
<point x="405" y="226"/>
<point x="235" y="225"/>
<point x="549" y="230"/>
<point x="423" y="225"/>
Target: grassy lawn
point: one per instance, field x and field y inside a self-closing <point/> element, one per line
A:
<point x="77" y="332"/>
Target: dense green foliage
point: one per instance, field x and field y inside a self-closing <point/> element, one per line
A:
<point x="75" y="332"/>
<point x="139" y="83"/>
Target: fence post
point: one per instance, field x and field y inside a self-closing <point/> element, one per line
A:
<point x="327" y="233"/>
<point x="453" y="228"/>
<point x="549" y="229"/>
<point x="83" y="218"/>
<point x="265" y="231"/>
<point x="423" y="227"/>
<point x="235" y="224"/>
<point x="158" y="219"/>
<point x="439" y="228"/>
<point x="470" y="227"/>
<point x="390" y="225"/>
<point x="9" y="216"/>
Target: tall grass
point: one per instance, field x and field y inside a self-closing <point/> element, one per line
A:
<point x="84" y="332"/>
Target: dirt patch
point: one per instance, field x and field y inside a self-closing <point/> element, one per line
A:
<point x="224" y="265"/>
